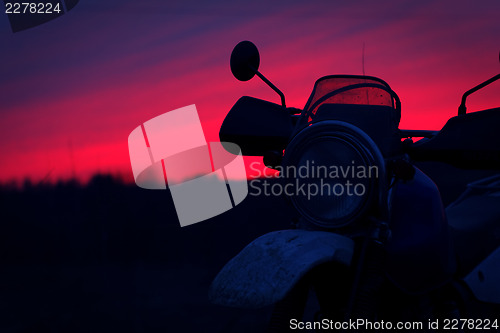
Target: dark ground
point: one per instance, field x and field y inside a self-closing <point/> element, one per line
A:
<point x="110" y="257"/>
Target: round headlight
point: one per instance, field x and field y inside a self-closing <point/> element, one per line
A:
<point x="331" y="170"/>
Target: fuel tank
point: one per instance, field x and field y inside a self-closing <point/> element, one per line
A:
<point x="420" y="255"/>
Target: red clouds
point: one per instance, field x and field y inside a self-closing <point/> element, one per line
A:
<point x="73" y="89"/>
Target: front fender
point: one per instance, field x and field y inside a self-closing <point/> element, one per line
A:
<point x="266" y="269"/>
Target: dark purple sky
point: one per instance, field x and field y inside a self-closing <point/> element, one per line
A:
<point x="72" y="90"/>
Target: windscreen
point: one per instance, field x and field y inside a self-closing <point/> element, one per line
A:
<point x="348" y="90"/>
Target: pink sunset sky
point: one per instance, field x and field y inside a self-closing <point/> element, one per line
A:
<point x="73" y="89"/>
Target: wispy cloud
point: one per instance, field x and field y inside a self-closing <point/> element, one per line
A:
<point x="96" y="73"/>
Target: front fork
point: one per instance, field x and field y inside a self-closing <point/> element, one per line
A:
<point x="368" y="274"/>
<point x="367" y="292"/>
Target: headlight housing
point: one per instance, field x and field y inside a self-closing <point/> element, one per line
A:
<point x="335" y="170"/>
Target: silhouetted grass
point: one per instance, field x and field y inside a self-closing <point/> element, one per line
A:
<point x="109" y="256"/>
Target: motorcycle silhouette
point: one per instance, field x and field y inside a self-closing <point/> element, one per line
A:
<point x="376" y="245"/>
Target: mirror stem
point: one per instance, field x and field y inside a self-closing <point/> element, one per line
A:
<point x="462" y="110"/>
<point x="263" y="78"/>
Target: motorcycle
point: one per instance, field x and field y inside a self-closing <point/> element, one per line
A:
<point x="373" y="247"/>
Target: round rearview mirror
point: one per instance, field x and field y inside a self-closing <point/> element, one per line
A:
<point x="245" y="60"/>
